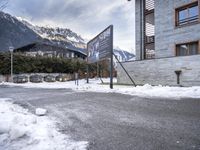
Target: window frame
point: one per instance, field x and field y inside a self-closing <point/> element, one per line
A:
<point x="187" y="6"/>
<point x="187" y="43"/>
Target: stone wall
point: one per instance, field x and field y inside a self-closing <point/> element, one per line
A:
<point x="7" y="78"/>
<point x="161" y="71"/>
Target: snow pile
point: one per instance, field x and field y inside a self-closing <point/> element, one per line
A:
<point x="146" y="90"/>
<point x="162" y="91"/>
<point x="21" y="130"/>
<point x="40" y="111"/>
<point x="142" y="91"/>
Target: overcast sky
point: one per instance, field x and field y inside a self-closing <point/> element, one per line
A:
<point x="85" y="17"/>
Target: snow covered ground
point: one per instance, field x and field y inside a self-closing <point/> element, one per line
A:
<point x="21" y="130"/>
<point x="142" y="91"/>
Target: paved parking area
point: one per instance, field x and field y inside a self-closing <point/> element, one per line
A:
<point x="111" y="121"/>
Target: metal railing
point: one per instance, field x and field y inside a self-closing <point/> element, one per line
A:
<point x="188" y="20"/>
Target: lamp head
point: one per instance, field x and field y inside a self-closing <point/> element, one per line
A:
<point x="11" y="48"/>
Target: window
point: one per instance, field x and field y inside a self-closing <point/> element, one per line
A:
<point x="67" y="55"/>
<point x="187" y="49"/>
<point x="72" y="55"/>
<point x="187" y="14"/>
<point x="149" y="29"/>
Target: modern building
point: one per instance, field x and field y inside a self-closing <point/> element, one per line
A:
<point x="167" y="43"/>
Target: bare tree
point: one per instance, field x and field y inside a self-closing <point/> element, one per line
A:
<point x="3" y="4"/>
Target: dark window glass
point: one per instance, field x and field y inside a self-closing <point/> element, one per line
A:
<point x="193" y="49"/>
<point x="183" y="50"/>
<point x="187" y="49"/>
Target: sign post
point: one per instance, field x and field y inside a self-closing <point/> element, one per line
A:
<point x="11" y="48"/>
<point x="87" y="73"/>
<point x="101" y="48"/>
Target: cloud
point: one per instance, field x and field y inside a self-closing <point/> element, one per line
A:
<point x="87" y="17"/>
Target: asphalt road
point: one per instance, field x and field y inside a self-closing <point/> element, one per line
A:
<point x="115" y="121"/>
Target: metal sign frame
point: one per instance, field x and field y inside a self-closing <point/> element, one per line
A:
<point x="108" y="54"/>
<point x="98" y="51"/>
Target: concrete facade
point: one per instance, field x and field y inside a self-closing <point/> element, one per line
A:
<point x="167" y="35"/>
<point x="161" y="70"/>
<point x="138" y="28"/>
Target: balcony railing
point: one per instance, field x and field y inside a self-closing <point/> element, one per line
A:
<point x="188" y="20"/>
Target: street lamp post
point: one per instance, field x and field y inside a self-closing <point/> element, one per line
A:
<point x="11" y="48"/>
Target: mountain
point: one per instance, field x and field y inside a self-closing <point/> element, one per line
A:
<point x="123" y="55"/>
<point x="58" y="36"/>
<point x="14" y="33"/>
<point x="19" y="32"/>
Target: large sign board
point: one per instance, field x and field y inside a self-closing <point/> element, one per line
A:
<point x="101" y="46"/>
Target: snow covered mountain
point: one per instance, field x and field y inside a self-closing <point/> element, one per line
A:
<point x="14" y="33"/>
<point x="59" y="36"/>
<point x="18" y="32"/>
<point x="123" y="55"/>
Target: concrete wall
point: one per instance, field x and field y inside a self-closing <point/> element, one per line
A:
<point x="167" y="35"/>
<point x="138" y="28"/>
<point x="161" y="71"/>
